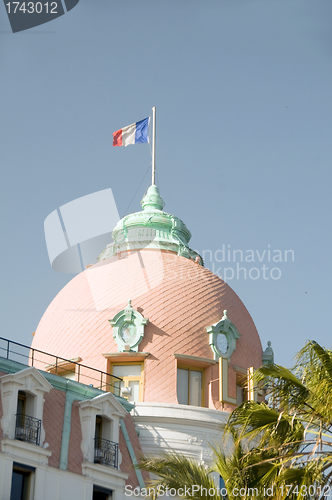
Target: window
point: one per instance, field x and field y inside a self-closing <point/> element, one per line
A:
<point x="222" y="337"/>
<point x="21" y="402"/>
<point x="103" y="427"/>
<point x="131" y="387"/>
<point x="100" y="493"/>
<point x="27" y="427"/>
<point x="106" y="451"/>
<point x="99" y="427"/>
<point x="241" y="389"/>
<point x="22" y="482"/>
<point x="25" y="403"/>
<point x="189" y="386"/>
<point x="240" y="394"/>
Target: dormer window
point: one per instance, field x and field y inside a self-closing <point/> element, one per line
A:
<point x="100" y="418"/>
<point x="100" y="429"/>
<point x="22" y="397"/>
<point x="27" y="427"/>
<point x="106" y="451"/>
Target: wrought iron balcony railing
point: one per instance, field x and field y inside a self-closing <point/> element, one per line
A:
<point x="27" y="429"/>
<point x="106" y="452"/>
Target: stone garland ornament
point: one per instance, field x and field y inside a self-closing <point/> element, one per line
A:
<point x="222" y="337"/>
<point x="128" y="328"/>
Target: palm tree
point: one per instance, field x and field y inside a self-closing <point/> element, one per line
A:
<point x="238" y="468"/>
<point x="282" y="448"/>
<point x="194" y="480"/>
<point x="294" y="427"/>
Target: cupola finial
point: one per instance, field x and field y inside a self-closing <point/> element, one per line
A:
<point x="152" y="199"/>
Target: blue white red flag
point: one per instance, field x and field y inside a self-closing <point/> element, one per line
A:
<point x="137" y="132"/>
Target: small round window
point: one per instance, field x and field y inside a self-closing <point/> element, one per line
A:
<point x="128" y="333"/>
<point x="222" y="343"/>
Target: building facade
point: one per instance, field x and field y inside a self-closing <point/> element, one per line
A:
<point x="62" y="439"/>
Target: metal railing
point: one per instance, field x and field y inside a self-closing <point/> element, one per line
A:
<point x="106" y="452"/>
<point x="59" y="366"/>
<point x="27" y="429"/>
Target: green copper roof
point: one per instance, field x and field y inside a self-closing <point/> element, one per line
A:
<point x="151" y="228"/>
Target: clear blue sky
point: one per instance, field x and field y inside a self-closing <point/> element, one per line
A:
<point x="243" y="96"/>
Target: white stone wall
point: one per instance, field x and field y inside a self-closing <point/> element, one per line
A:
<point x="190" y="430"/>
<point x="49" y="483"/>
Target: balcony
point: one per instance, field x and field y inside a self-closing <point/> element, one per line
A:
<point x="106" y="452"/>
<point x="27" y="429"/>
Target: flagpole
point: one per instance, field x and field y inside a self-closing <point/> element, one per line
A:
<point x="153" y="144"/>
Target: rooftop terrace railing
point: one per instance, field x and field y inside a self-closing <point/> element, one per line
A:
<point x="67" y="368"/>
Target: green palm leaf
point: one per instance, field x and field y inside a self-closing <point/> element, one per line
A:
<point x="178" y="472"/>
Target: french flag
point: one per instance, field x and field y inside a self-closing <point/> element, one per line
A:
<point x="137" y="132"/>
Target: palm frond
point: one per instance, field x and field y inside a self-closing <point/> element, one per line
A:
<point x="256" y="421"/>
<point x="283" y="386"/>
<point x="313" y="350"/>
<point x="177" y="471"/>
<point x="314" y="365"/>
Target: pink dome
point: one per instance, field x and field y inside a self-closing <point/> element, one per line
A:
<point x="178" y="296"/>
